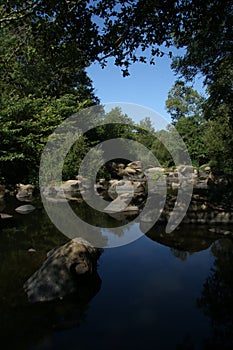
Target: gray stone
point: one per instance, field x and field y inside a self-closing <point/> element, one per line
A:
<point x="5" y="216"/>
<point x="117" y="205"/>
<point x="25" y="209"/>
<point x="59" y="274"/>
<point x="31" y="250"/>
<point x="135" y="165"/>
<point x="24" y="191"/>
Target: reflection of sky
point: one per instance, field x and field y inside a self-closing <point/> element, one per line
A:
<point x="121" y="236"/>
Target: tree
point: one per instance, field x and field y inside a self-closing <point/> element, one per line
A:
<point x="218" y="138"/>
<point x="184" y="101"/>
<point x="43" y="81"/>
<point x="192" y="130"/>
<point x="46" y="45"/>
<point x="76" y="33"/>
<point x="126" y="29"/>
<point x="185" y="106"/>
<point x="145" y="132"/>
<point x="159" y="150"/>
<point x="25" y="124"/>
<point x="36" y="60"/>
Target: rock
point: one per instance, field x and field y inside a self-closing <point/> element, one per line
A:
<point x="138" y="187"/>
<point x="128" y="171"/>
<point x="31" y="250"/>
<point x="220" y="231"/>
<point x="155" y="170"/>
<point x="25" y="209"/>
<point x="131" y="208"/>
<point x="24" y="191"/>
<point x="175" y="185"/>
<point x="135" y="165"/>
<point x="117" y="205"/>
<point x="49" y="192"/>
<point x="5" y="216"/>
<point x="63" y="271"/>
<point x="70" y="186"/>
<point x="119" y="187"/>
<point x="186" y="170"/>
<point x="113" y="182"/>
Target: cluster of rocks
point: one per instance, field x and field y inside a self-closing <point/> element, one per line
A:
<point x="132" y="185"/>
<point x="132" y="182"/>
<point x="23" y="193"/>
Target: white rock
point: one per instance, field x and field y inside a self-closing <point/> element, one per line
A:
<point x="31" y="250"/>
<point x="5" y="216"/>
<point x="25" y="209"/>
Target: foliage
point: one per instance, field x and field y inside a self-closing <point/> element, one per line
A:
<point x="193" y="132"/>
<point x="184" y="101"/>
<point x="207" y="138"/>
<point x="219" y="141"/>
<point x="160" y="151"/>
<point x="126" y="29"/>
<point x="39" y="55"/>
<point x="46" y="45"/>
<point x="25" y="124"/>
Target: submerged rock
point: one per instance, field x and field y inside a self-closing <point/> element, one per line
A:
<point x="63" y="271"/>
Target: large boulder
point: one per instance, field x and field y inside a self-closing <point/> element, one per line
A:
<point x="63" y="271"/>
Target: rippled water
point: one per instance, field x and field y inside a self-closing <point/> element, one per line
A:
<point x="159" y="292"/>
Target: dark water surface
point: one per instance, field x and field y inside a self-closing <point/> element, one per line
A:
<point x="159" y="292"/>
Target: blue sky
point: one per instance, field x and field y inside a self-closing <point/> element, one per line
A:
<point x="147" y="85"/>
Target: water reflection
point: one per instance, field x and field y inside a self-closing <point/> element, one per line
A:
<point x="217" y="296"/>
<point x="148" y="298"/>
<point x="185" y="240"/>
<point x="30" y="323"/>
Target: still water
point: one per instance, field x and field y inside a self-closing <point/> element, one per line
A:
<point x="159" y="292"/>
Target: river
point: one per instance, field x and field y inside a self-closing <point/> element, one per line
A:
<point x="159" y="292"/>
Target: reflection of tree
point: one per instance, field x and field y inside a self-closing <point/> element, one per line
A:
<point x="184" y="241"/>
<point x="182" y="255"/>
<point x="217" y="296"/>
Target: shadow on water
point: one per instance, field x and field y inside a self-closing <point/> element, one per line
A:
<point x="140" y="270"/>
